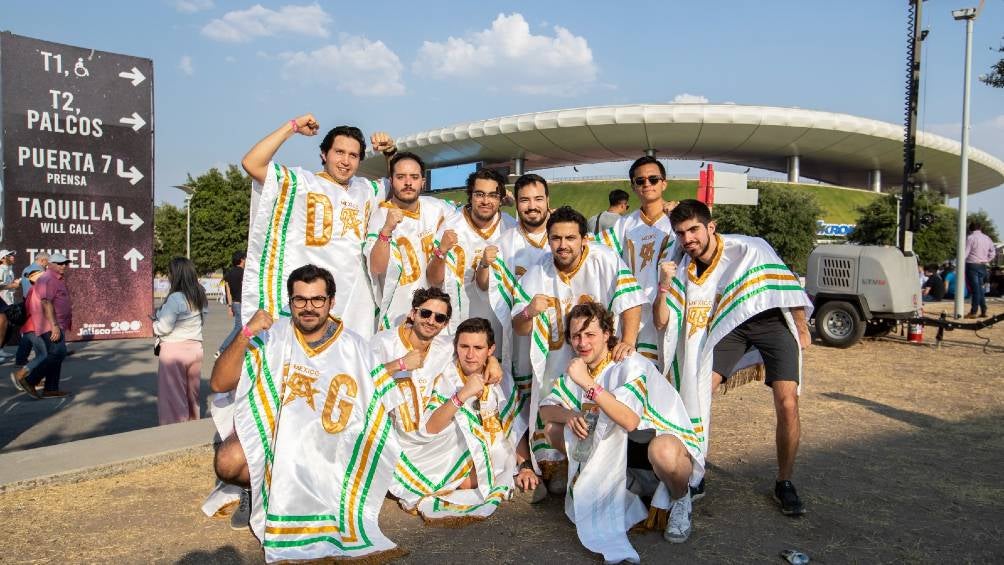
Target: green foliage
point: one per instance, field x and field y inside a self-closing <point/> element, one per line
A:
<point x="995" y="77"/>
<point x="988" y="224"/>
<point x="876" y="223"/>
<point x="785" y="218"/>
<point x="220" y="208"/>
<point x="168" y="236"/>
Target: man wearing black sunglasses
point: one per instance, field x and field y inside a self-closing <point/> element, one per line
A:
<point x="640" y="237"/>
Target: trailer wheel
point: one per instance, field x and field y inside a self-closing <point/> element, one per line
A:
<point x="838" y="324"/>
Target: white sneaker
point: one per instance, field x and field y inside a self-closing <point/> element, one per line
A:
<point x="678" y="529"/>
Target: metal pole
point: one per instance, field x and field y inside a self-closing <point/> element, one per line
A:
<point x="960" y="256"/>
<point x="188" y="227"/>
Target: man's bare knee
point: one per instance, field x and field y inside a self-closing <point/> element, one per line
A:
<point x="229" y="462"/>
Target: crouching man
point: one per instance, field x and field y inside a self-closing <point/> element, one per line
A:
<point x="461" y="467"/>
<point x="592" y="413"/>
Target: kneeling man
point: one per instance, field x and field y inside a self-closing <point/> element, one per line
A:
<point x="461" y="465"/>
<point x="592" y="411"/>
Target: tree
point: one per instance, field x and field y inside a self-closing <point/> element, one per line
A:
<point x="876" y="224"/>
<point x="988" y="224"/>
<point x="995" y="77"/>
<point x="168" y="236"/>
<point x="786" y="218"/>
<point x="220" y="209"/>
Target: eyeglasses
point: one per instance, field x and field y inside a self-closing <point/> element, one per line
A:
<point x="301" y="301"/>
<point x="653" y="180"/>
<point x="425" y="313"/>
<point x="486" y="195"/>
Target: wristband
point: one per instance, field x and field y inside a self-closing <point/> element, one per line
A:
<point x="526" y="464"/>
<point x="400" y="364"/>
<point x="664" y="289"/>
<point x="525" y="313"/>
<point x="383" y="238"/>
<point x="246" y="332"/>
<point x="593" y="391"/>
<point x="390" y="151"/>
<point x="292" y="124"/>
<point x="438" y="253"/>
<point x="456" y="401"/>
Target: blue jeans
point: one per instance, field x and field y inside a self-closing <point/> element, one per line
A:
<point x="52" y="365"/>
<point x="235" y="308"/>
<point x="976" y="276"/>
<point x="29" y="342"/>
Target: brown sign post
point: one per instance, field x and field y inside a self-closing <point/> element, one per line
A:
<point x="78" y="176"/>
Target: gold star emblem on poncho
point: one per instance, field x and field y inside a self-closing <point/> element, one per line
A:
<point x="697" y="317"/>
<point x="350" y="221"/>
<point x="300" y="385"/>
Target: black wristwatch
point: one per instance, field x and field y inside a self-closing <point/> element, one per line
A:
<point x="526" y="464"/>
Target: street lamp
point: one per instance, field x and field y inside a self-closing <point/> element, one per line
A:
<point x="968" y="15"/>
<point x="189" y="191"/>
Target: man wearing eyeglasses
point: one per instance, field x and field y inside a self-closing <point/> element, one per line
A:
<point x="300" y="217"/>
<point x="399" y="242"/>
<point x="640" y="238"/>
<point x="461" y="247"/>
<point x="309" y="404"/>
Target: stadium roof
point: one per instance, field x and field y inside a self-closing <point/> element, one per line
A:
<point x="840" y="149"/>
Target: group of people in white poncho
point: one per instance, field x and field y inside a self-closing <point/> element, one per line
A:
<point x="447" y="357"/>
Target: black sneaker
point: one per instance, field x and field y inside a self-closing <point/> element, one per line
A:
<point x="787" y="497"/>
<point x="697" y="493"/>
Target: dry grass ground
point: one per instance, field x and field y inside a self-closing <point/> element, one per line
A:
<point x="900" y="462"/>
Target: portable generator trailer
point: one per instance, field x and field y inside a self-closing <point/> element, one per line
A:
<point x="867" y="290"/>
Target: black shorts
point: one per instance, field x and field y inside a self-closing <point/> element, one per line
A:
<point x="768" y="333"/>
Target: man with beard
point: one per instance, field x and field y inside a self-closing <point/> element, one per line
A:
<point x="641" y="237"/>
<point x="737" y="306"/>
<point x="309" y="405"/>
<point x="590" y="414"/>
<point x="302" y="217"/>
<point x="399" y="242"/>
<point x="460" y="248"/>
<point x="467" y="468"/>
<point x="573" y="273"/>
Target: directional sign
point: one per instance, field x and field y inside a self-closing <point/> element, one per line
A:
<point x="77" y="176"/>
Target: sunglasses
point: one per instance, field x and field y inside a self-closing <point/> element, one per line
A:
<point x="653" y="180"/>
<point x="425" y="313"/>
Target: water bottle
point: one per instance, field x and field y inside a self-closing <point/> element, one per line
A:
<point x="584" y="447"/>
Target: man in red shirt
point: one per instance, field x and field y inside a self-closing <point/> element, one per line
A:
<point x="52" y="315"/>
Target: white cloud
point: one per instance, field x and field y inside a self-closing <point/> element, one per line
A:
<point x="986" y="135"/>
<point x="357" y="66"/>
<point x="241" y="26"/>
<point x="686" y="98"/>
<point x="186" y="65"/>
<point x="509" y="54"/>
<point x="192" y="6"/>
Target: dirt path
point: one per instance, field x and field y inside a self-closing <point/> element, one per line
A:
<point x="902" y="448"/>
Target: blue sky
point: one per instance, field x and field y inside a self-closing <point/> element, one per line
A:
<point x="227" y="73"/>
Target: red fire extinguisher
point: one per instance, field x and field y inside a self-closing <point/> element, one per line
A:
<point x="915" y="331"/>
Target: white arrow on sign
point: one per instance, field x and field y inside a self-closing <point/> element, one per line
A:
<point x="133" y="221"/>
<point x="133" y="256"/>
<point x="132" y="174"/>
<point x="134" y="75"/>
<point x="136" y="121"/>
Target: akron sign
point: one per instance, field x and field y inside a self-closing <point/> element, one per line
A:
<point x="78" y="176"/>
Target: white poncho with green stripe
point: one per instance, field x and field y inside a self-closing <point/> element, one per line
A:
<point x="601" y="277"/>
<point x="745" y="277"/>
<point x="319" y="443"/>
<point x="472" y="444"/>
<point x="598" y="501"/>
<point x="297" y="218"/>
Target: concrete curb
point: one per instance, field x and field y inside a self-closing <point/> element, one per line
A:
<point x="111" y="454"/>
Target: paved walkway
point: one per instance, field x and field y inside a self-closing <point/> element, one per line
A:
<point x="114" y="390"/>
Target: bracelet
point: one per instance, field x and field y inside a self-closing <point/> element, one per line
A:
<point x="456" y="401"/>
<point x="526" y="464"/>
<point x="292" y="124"/>
<point x="438" y="253"/>
<point x="664" y="289"/>
<point x="400" y="364"/>
<point x="389" y="152"/>
<point x="383" y="238"/>
<point x="593" y="391"/>
<point x="246" y="332"/>
<point x="525" y="313"/>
